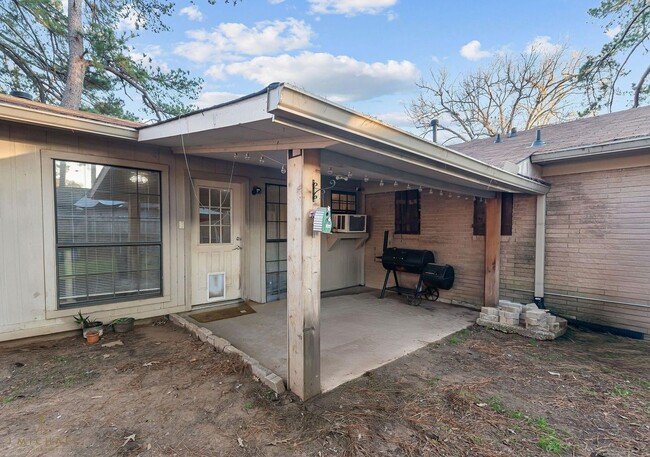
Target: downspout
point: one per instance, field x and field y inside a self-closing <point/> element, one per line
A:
<point x="540" y="248"/>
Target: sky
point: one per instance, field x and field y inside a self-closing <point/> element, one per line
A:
<point x="364" y="54"/>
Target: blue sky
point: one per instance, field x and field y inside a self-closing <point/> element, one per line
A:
<point x="366" y="54"/>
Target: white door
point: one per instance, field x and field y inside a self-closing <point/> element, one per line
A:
<point x="217" y="218"/>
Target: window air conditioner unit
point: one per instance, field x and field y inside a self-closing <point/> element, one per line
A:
<point x="349" y="223"/>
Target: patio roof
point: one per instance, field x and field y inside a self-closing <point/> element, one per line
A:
<point x="283" y="117"/>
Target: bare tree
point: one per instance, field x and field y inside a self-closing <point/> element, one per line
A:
<point x="536" y="88"/>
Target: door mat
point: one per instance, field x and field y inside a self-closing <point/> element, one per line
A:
<point x="222" y="313"/>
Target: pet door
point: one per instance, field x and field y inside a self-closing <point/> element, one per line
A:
<point x="216" y="286"/>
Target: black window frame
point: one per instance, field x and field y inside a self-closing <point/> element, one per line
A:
<point x="350" y="197"/>
<point x="117" y="297"/>
<point x="507" y="210"/>
<point x="407" y="212"/>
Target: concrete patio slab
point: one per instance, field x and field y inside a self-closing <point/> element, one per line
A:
<point x="358" y="332"/>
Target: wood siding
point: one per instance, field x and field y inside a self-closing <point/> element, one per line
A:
<point x="445" y="229"/>
<point x="598" y="245"/>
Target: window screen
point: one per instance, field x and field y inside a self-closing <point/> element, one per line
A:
<point x="108" y="233"/>
<point x="407" y="212"/>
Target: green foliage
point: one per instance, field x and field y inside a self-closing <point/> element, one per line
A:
<point x="601" y="73"/>
<point x="34" y="54"/>
<point x="496" y="405"/>
<point x="620" y="392"/>
<point x="549" y="441"/>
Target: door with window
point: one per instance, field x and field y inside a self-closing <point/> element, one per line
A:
<point x="217" y="219"/>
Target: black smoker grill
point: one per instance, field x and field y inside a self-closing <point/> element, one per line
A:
<point x="421" y="262"/>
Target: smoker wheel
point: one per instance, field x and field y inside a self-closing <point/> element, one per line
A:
<point x="431" y="294"/>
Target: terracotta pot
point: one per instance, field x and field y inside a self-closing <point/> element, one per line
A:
<point x="92" y="337"/>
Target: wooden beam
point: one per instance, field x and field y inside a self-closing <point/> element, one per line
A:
<point x="492" y="250"/>
<point x="303" y="276"/>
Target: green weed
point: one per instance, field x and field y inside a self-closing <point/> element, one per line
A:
<point x="496" y="405"/>
<point x="620" y="392"/>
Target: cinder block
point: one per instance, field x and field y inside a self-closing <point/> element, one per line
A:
<point x="489" y="310"/>
<point x="512" y="308"/>
<point x="508" y="315"/>
<point x="203" y="333"/>
<point x="509" y="321"/>
<point x="274" y="382"/>
<point x="218" y="343"/>
<point x="177" y="320"/>
<point x="489" y="317"/>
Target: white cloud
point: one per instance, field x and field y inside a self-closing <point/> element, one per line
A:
<point x="192" y="12"/>
<point x="128" y="18"/>
<point x="542" y="45"/>
<point x="276" y="2"/>
<point x="228" y="40"/>
<point x="207" y="99"/>
<point x="611" y="33"/>
<point x="391" y="16"/>
<point x="340" y="78"/>
<point x="350" y="7"/>
<point x="472" y="51"/>
<point x="398" y="119"/>
<point x="150" y="57"/>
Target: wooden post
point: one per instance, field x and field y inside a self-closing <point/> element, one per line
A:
<point x="303" y="275"/>
<point x="492" y="250"/>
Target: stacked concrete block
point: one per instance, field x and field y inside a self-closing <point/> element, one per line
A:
<point x="489" y="314"/>
<point x="509" y="312"/>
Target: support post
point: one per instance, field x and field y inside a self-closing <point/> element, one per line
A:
<point x="492" y="250"/>
<point x="303" y="275"/>
<point x="540" y="250"/>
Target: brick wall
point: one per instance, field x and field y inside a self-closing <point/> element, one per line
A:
<point x="518" y="252"/>
<point x="446" y="229"/>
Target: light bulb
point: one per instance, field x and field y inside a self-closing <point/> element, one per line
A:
<point x="234" y="156"/>
<point x="366" y="179"/>
<point x="261" y="159"/>
<point x="381" y="183"/>
<point x="408" y="187"/>
<point x="420" y="189"/>
<point x="349" y="174"/>
<point x="441" y="193"/>
<point x="247" y="156"/>
<point x="283" y="170"/>
<point x="395" y="184"/>
<point x="430" y="191"/>
<point x="330" y="171"/>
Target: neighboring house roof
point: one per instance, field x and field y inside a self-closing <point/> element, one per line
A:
<point x="44" y="107"/>
<point x="582" y="133"/>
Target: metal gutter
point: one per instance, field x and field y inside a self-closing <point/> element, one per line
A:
<point x="591" y="151"/>
<point x="71" y="123"/>
<point x="294" y="107"/>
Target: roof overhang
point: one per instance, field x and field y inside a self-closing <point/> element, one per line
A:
<point x="27" y="115"/>
<point x="283" y="117"/>
<point x="611" y="148"/>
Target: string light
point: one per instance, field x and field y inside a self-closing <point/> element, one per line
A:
<point x="235" y="155"/>
<point x="395" y="184"/>
<point x="408" y="187"/>
<point x="441" y="193"/>
<point x="449" y="194"/>
<point x="283" y="170"/>
<point x="366" y="179"/>
<point x="430" y="191"/>
<point x="349" y="174"/>
<point x="420" y="189"/>
<point x="247" y="156"/>
<point x="381" y="183"/>
<point x="330" y="171"/>
<point x="262" y="159"/>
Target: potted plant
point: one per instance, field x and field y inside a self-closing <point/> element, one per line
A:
<point x="92" y="336"/>
<point x="123" y="324"/>
<point x="89" y="325"/>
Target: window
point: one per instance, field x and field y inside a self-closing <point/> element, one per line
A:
<point x="344" y="202"/>
<point x="276" y="242"/>
<point x="214" y="216"/>
<point x="506" y="215"/>
<point x="108" y="233"/>
<point x="407" y="212"/>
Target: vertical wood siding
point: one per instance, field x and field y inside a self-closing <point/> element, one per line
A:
<point x="445" y="229"/>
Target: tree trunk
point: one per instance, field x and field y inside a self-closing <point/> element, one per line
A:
<point x="76" y="64"/>
<point x="639" y="87"/>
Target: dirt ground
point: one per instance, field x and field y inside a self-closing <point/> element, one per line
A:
<point x="477" y="393"/>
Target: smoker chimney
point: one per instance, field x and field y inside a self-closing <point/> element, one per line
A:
<point x="21" y="94"/>
<point x="498" y="139"/>
<point x="513" y="132"/>
<point x="538" y="139"/>
<point x="434" y="130"/>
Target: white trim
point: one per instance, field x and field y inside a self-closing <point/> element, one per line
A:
<point x="592" y="151"/>
<point x="49" y="234"/>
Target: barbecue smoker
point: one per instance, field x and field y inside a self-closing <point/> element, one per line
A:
<point x="431" y="276"/>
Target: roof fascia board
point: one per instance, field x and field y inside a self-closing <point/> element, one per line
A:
<point x="289" y="100"/>
<point x="393" y="174"/>
<point x="244" y="111"/>
<point x="306" y="142"/>
<point x="598" y="150"/>
<point x="60" y="121"/>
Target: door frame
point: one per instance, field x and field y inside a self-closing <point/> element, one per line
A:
<point x="238" y="196"/>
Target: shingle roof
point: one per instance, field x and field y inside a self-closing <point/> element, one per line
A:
<point x="23" y="103"/>
<point x="603" y="129"/>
